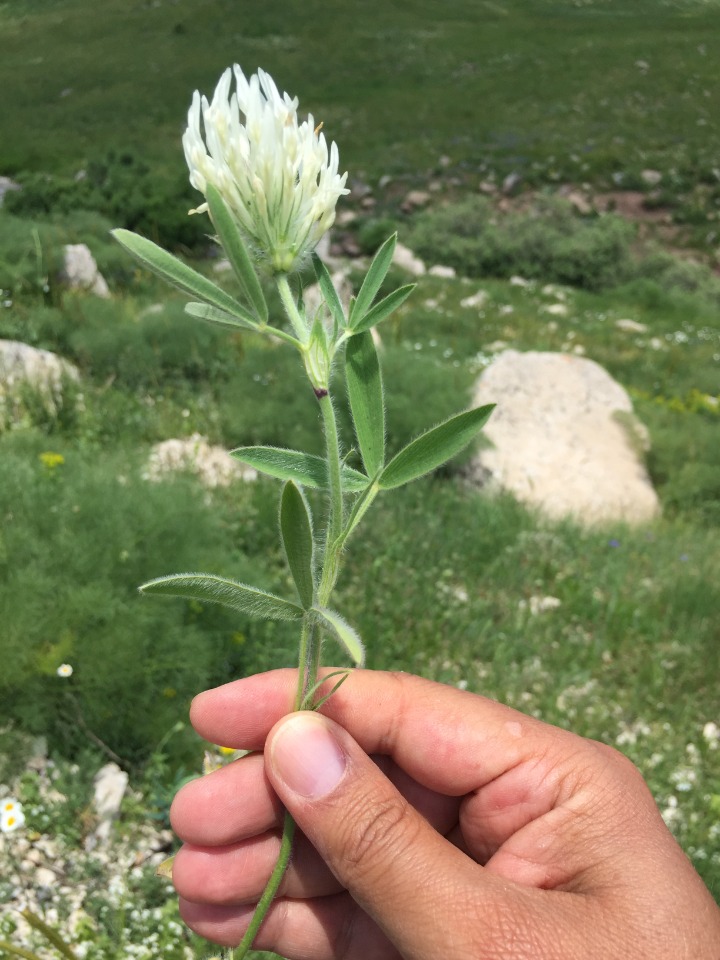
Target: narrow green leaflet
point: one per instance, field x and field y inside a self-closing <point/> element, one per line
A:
<point x="373" y="280"/>
<point x="205" y="312"/>
<point x="327" y="288"/>
<point x="303" y="468"/>
<point x="234" y="246"/>
<point x="343" y="633"/>
<point x="168" y="267"/>
<point x="365" y="392"/>
<point x="434" y="448"/>
<point x="309" y="703"/>
<point x="297" y="537"/>
<point x="206" y="586"/>
<point x="384" y="308"/>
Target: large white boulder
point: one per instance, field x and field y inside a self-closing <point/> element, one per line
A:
<point x="564" y="438"/>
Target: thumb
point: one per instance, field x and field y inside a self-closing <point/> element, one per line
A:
<point x="403" y="873"/>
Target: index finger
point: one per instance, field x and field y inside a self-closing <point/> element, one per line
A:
<point x="448" y="740"/>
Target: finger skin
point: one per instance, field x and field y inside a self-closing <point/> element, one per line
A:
<point x="331" y="928"/>
<point x="448" y="740"/>
<point x="579" y="863"/>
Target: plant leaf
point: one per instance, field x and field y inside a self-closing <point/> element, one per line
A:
<point x="237" y="253"/>
<point x="365" y="392"/>
<point x="165" y="868"/>
<point x="297" y="537"/>
<point x="176" y="272"/>
<point x="384" y="308"/>
<point x="373" y="280"/>
<point x="336" y="686"/>
<point x="303" y="468"/>
<point x="343" y="633"/>
<point x="206" y="586"/>
<point x="327" y="288"/>
<point x="308" y="703"/>
<point x="204" y="311"/>
<point x="434" y="448"/>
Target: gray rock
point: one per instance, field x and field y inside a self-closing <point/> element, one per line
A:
<point x="651" y="177"/>
<point x="80" y="272"/>
<point x="21" y="364"/>
<point x="110" y="784"/>
<point x="447" y="273"/>
<point x="511" y="182"/>
<point x="565" y="439"/>
<point x="630" y="326"/>
<point x="415" y="199"/>
<point x="212" y="465"/>
<point x="406" y="260"/>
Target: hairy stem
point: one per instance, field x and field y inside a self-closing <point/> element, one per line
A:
<point x="271" y="889"/>
<point x="309" y="645"/>
<point x="288" y="302"/>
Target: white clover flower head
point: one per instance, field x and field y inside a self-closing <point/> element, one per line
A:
<point x="64" y="670"/>
<point x="276" y="175"/>
<point x="12" y="817"/>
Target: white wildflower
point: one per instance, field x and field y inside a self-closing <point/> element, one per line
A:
<point x="711" y="734"/>
<point x="64" y="670"/>
<point x="276" y="175"/>
<point x="12" y="817"/>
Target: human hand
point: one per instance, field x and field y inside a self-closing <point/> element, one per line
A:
<point x="473" y="832"/>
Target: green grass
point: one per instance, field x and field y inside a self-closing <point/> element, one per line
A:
<point x="550" y="88"/>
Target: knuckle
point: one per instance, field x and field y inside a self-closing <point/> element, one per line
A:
<point x="375" y="833"/>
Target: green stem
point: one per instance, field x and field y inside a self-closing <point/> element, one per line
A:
<point x="306" y="678"/>
<point x="304" y="654"/>
<point x="271" y="889"/>
<point x="17" y="951"/>
<point x="49" y="933"/>
<point x="288" y="301"/>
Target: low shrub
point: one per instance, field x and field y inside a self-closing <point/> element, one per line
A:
<point x="549" y="242"/>
<point x="31" y="252"/>
<point x="125" y="190"/>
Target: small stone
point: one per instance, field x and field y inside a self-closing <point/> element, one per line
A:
<point x="477" y="300"/>
<point x="43" y="370"/>
<point x="579" y="202"/>
<point x="651" y="177"/>
<point x="511" y="182"/>
<point x="487" y="187"/>
<point x="345" y="217"/>
<point x="404" y="258"/>
<point x="631" y="326"/>
<point x="349" y="246"/>
<point x="415" y="199"/>
<point x="447" y="273"/>
<point x="80" y="271"/>
<point x="213" y="465"/>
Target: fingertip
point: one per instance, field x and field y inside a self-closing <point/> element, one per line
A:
<point x="304" y="753"/>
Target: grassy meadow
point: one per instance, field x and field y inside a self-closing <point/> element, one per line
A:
<point x="586" y="96"/>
